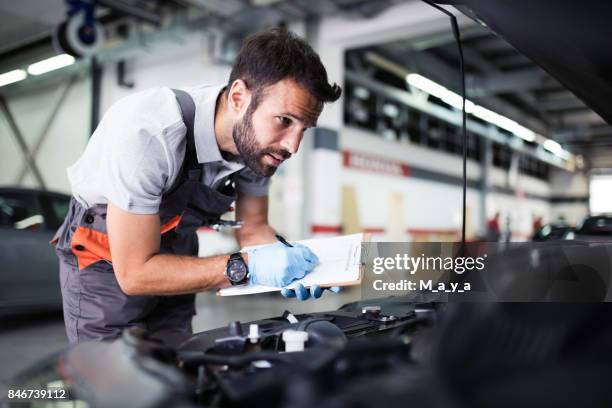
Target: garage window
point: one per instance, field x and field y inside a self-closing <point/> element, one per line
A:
<point x="600" y="194"/>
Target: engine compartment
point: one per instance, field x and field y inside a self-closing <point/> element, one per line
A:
<point x="373" y="353"/>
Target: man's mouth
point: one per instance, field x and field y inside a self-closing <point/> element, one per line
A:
<point x="275" y="159"/>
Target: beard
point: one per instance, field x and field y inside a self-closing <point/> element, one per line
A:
<point x="250" y="150"/>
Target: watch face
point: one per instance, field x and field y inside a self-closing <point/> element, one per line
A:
<point x="236" y="270"/>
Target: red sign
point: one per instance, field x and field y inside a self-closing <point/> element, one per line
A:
<point x="374" y="164"/>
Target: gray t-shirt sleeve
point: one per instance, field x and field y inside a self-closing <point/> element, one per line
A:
<point x="134" y="166"/>
<point x="249" y="183"/>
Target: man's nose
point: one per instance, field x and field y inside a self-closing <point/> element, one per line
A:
<point x="291" y="142"/>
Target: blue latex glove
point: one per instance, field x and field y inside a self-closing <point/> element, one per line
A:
<point x="279" y="265"/>
<point x="302" y="293"/>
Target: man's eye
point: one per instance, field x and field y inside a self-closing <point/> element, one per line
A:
<point x="285" y="121"/>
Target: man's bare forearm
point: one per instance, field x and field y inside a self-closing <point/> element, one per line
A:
<point x="168" y="274"/>
<point x="255" y="235"/>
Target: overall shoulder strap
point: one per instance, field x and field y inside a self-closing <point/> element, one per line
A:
<point x="190" y="162"/>
<point x="187" y="107"/>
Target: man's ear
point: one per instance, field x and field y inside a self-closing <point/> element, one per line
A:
<point x="239" y="97"/>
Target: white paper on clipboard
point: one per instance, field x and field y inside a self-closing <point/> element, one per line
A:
<point x="339" y="265"/>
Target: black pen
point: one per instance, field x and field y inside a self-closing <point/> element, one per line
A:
<point x="283" y="240"/>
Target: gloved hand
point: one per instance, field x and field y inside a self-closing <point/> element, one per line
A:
<point x="302" y="293"/>
<point x="279" y="265"/>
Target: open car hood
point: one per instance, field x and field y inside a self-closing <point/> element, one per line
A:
<point x="568" y="39"/>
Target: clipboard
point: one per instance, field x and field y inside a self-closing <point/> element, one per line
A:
<point x="340" y="264"/>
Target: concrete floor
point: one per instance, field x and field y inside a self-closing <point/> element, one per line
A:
<point x="27" y="339"/>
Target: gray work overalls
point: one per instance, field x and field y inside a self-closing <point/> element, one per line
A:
<point x="95" y="307"/>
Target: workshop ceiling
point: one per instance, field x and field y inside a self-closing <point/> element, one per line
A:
<point x="25" y="21"/>
<point x="498" y="76"/>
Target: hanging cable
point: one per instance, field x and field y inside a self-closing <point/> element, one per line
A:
<point x="457" y="36"/>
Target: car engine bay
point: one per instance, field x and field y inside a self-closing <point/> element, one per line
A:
<point x="380" y="352"/>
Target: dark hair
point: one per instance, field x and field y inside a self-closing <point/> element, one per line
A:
<point x="271" y="56"/>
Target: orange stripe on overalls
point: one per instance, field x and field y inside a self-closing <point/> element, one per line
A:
<point x="90" y="246"/>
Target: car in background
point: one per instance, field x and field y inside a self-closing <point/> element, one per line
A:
<point x="554" y="231"/>
<point x="30" y="273"/>
<point x="593" y="228"/>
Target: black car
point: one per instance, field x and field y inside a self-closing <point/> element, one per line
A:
<point x="30" y="276"/>
<point x="552" y="232"/>
<point x="594" y="228"/>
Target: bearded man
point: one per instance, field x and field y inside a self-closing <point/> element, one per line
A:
<point x="164" y="162"/>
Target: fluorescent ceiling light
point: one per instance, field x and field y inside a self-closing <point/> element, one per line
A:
<point x="440" y="92"/>
<point x="552" y="146"/>
<point x="556" y="149"/>
<point x="51" y="64"/>
<point x="456" y="101"/>
<point x="504" y="123"/>
<point x="487" y="115"/>
<point x="522" y="132"/>
<point x="13" y="76"/>
<point x="447" y="96"/>
<point x="427" y="85"/>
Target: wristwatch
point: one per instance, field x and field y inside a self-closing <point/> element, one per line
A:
<point x="236" y="270"/>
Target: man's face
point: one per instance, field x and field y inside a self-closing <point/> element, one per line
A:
<point x="272" y="132"/>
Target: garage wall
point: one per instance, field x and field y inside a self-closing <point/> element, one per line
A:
<point x="184" y="61"/>
<point x="428" y="205"/>
<point x="66" y="137"/>
<point x="432" y="207"/>
<point x="570" y="192"/>
<point x="331" y="37"/>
